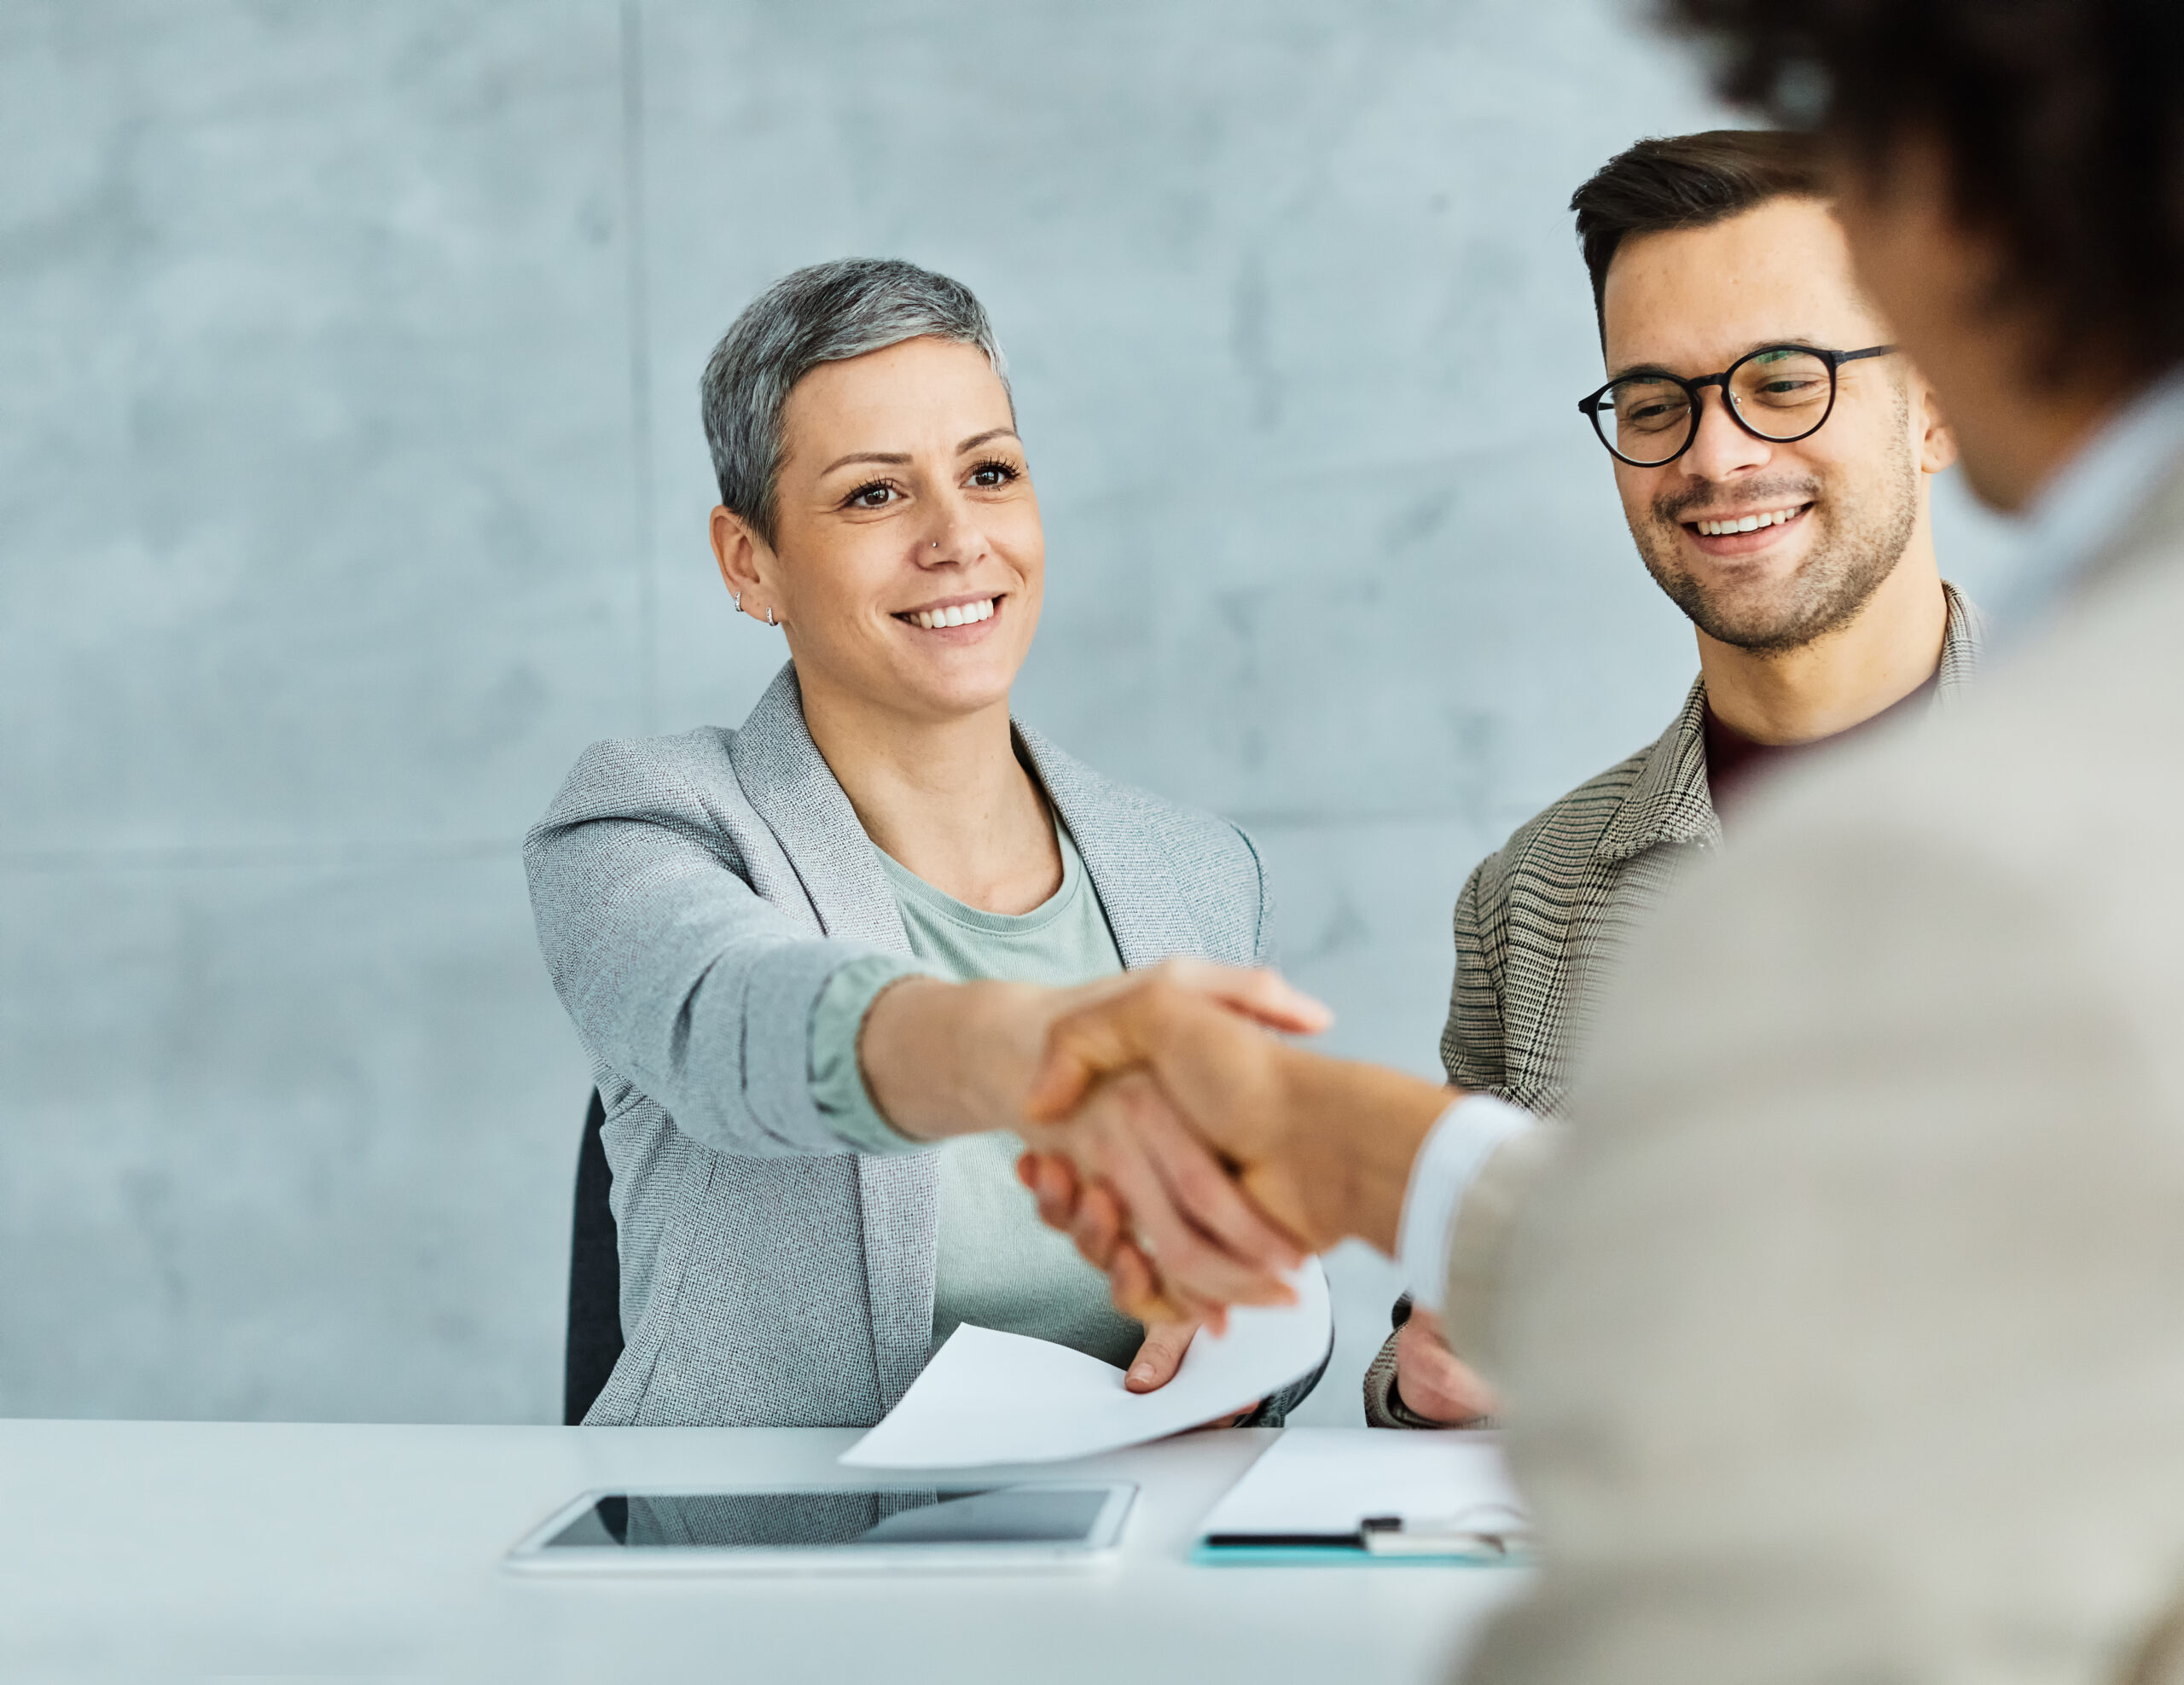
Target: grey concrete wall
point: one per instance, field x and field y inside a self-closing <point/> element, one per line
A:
<point x="351" y="481"/>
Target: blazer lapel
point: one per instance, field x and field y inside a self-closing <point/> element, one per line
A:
<point x="1964" y="642"/>
<point x="1146" y="908"/>
<point x="1670" y="800"/>
<point x="794" y="791"/>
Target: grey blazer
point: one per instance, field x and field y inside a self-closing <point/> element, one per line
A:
<point x="693" y="895"/>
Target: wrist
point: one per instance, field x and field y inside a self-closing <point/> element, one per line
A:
<point x="947" y="1059"/>
<point x="1353" y="1131"/>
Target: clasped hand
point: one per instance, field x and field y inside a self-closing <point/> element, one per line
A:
<point x="1159" y="1129"/>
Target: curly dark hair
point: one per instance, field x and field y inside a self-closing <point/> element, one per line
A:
<point x="2062" y="122"/>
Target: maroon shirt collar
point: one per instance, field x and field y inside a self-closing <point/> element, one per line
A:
<point x="1734" y="760"/>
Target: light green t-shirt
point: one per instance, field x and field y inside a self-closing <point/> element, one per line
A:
<point x="998" y="1266"/>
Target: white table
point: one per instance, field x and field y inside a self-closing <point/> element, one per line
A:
<point x="185" y="1548"/>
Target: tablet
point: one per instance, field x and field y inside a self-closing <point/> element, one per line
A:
<point x="954" y="1529"/>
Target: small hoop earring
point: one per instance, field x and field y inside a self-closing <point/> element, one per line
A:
<point x="769" y="617"/>
<point x="738" y="595"/>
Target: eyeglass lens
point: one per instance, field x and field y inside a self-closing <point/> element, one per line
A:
<point x="1780" y="394"/>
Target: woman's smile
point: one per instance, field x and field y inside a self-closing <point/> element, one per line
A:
<point x="966" y="617"/>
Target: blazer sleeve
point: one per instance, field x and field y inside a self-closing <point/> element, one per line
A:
<point x="678" y="975"/>
<point x="1263" y="951"/>
<point x="1383" y="1401"/>
<point x="1471" y="1047"/>
<point x="1842" y="1354"/>
<point x="1480" y="1238"/>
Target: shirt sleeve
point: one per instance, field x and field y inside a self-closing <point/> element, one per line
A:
<point x="837" y="1086"/>
<point x="1458" y="1146"/>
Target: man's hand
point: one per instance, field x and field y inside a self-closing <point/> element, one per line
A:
<point x="1322" y="1147"/>
<point x="1127" y="1146"/>
<point x="946" y="1059"/>
<point x="1212" y="1074"/>
<point x="1432" y="1380"/>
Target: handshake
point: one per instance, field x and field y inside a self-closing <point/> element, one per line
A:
<point x="1196" y="1156"/>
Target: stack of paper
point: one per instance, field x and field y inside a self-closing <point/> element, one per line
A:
<point x="989" y="1397"/>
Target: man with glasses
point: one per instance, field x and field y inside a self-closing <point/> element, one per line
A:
<point x="1774" y="454"/>
<point x="1845" y="1332"/>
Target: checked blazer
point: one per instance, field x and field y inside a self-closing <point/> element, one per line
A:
<point x="1543" y="921"/>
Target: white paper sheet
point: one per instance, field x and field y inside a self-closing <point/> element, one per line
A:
<point x="990" y="1397"/>
<point x="1326" y="1480"/>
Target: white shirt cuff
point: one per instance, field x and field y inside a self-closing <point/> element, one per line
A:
<point x="1458" y="1146"/>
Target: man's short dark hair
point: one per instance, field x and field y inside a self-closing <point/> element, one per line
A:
<point x="2061" y="123"/>
<point x="1689" y="181"/>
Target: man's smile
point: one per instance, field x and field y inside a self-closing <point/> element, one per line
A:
<point x="1746" y="532"/>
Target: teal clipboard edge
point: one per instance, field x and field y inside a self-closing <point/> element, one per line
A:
<point x="1332" y="1556"/>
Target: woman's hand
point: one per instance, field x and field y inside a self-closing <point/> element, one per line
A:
<point x="948" y="1059"/>
<point x="1161" y="1356"/>
<point x="1096" y="1220"/>
<point x="1125" y="1145"/>
<point x="1320" y="1148"/>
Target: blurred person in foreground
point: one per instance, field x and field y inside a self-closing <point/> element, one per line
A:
<point x="1775" y="454"/>
<point x="1842" y="1339"/>
<point x="813" y="959"/>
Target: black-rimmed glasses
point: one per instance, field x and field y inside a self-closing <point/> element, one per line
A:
<point x="1780" y="393"/>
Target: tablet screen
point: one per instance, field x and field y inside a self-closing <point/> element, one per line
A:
<point x="805" y="1521"/>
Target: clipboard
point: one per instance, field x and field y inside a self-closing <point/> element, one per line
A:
<point x="1358" y="1497"/>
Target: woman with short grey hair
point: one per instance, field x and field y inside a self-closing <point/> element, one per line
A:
<point x="814" y="959"/>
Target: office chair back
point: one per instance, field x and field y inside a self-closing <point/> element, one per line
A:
<point x="594" y="1343"/>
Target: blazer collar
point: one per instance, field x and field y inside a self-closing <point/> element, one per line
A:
<point x="2149" y="536"/>
<point x="1964" y="647"/>
<point x="796" y="793"/>
<point x="1146" y="909"/>
<point x="1671" y="801"/>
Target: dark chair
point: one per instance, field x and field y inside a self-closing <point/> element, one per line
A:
<point x="595" y="1278"/>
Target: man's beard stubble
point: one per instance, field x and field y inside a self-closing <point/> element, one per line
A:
<point x="1862" y="541"/>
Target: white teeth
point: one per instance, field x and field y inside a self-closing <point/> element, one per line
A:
<point x="962" y="614"/>
<point x="1751" y="523"/>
